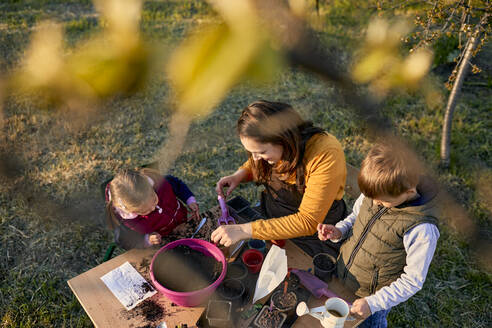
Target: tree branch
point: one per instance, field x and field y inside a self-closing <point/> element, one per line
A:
<point x="453" y="97"/>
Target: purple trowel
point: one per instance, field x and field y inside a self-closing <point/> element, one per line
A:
<point x="225" y="217"/>
<point x="312" y="283"/>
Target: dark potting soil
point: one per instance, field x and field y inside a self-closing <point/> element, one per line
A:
<point x="269" y="319"/>
<point x="293" y="282"/>
<point x="335" y="313"/>
<point x="284" y="302"/>
<point x="236" y="270"/>
<point x="148" y="309"/>
<point x="144" y="263"/>
<point x="183" y="269"/>
<point x="151" y="310"/>
<point x="146" y="287"/>
<point x="324" y="263"/>
<point x="231" y="289"/>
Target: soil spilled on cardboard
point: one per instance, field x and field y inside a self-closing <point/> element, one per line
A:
<point x="148" y="309"/>
<point x="324" y="263"/>
<point x="183" y="269"/>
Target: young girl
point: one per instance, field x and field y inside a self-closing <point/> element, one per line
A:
<point x="142" y="206"/>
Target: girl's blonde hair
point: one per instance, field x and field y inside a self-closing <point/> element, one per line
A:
<point x="129" y="190"/>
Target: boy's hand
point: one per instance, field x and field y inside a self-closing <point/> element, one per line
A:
<point x="155" y="238"/>
<point x="328" y="231"/>
<point x="195" y="212"/>
<point x="360" y="308"/>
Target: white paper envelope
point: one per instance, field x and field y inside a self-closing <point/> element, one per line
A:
<point x="273" y="272"/>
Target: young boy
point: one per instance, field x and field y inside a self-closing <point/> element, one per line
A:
<point x="391" y="234"/>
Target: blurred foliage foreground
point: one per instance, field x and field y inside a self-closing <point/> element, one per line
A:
<point x="88" y="88"/>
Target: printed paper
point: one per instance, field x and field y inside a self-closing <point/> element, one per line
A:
<point x="129" y="287"/>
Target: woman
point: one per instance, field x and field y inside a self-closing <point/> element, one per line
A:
<point x="303" y="171"/>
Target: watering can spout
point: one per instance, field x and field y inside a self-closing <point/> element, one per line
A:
<point x="302" y="309"/>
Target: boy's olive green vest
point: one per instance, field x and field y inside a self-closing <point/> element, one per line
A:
<point x="374" y="255"/>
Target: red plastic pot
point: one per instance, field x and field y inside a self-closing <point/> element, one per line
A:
<point x="189" y="299"/>
<point x="253" y="259"/>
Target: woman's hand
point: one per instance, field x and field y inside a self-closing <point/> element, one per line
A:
<point x="195" y="211"/>
<point x="328" y="231"/>
<point x="155" y="238"/>
<point x="229" y="234"/>
<point x="360" y="308"/>
<point x="231" y="182"/>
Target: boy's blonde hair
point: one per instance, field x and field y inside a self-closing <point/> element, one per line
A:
<point x="130" y="189"/>
<point x="388" y="170"/>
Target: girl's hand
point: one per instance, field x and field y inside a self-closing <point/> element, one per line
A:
<point x="155" y="238"/>
<point x="229" y="234"/>
<point x="195" y="212"/>
<point x="360" y="308"/>
<point x="328" y="231"/>
<point x="230" y="181"/>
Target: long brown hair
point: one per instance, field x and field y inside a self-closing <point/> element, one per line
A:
<point x="279" y="124"/>
<point x="131" y="189"/>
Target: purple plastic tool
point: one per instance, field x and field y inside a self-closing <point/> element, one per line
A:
<point x="225" y="217"/>
<point x="316" y="286"/>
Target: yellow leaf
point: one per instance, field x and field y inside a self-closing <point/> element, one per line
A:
<point x="298" y="7"/>
<point x="266" y="65"/>
<point x="122" y="15"/>
<point x="44" y="59"/>
<point x="209" y="63"/>
<point x="377" y="31"/>
<point x="416" y="65"/>
<point x="372" y="65"/>
<point x="103" y="69"/>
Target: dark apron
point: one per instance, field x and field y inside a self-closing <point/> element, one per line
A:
<point x="280" y="199"/>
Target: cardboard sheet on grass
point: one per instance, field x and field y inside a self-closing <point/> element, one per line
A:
<point x="127" y="285"/>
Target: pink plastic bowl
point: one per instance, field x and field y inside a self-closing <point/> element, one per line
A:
<point x="197" y="297"/>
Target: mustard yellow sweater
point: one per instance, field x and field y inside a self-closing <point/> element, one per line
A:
<point x="325" y="173"/>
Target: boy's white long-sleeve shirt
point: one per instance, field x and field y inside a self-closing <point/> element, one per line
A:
<point x="419" y="243"/>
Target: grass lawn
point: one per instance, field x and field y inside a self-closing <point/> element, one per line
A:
<point x="51" y="209"/>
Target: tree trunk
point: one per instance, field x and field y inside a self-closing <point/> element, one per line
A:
<point x="453" y="97"/>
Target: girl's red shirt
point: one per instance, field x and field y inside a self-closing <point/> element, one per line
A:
<point x="167" y="215"/>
